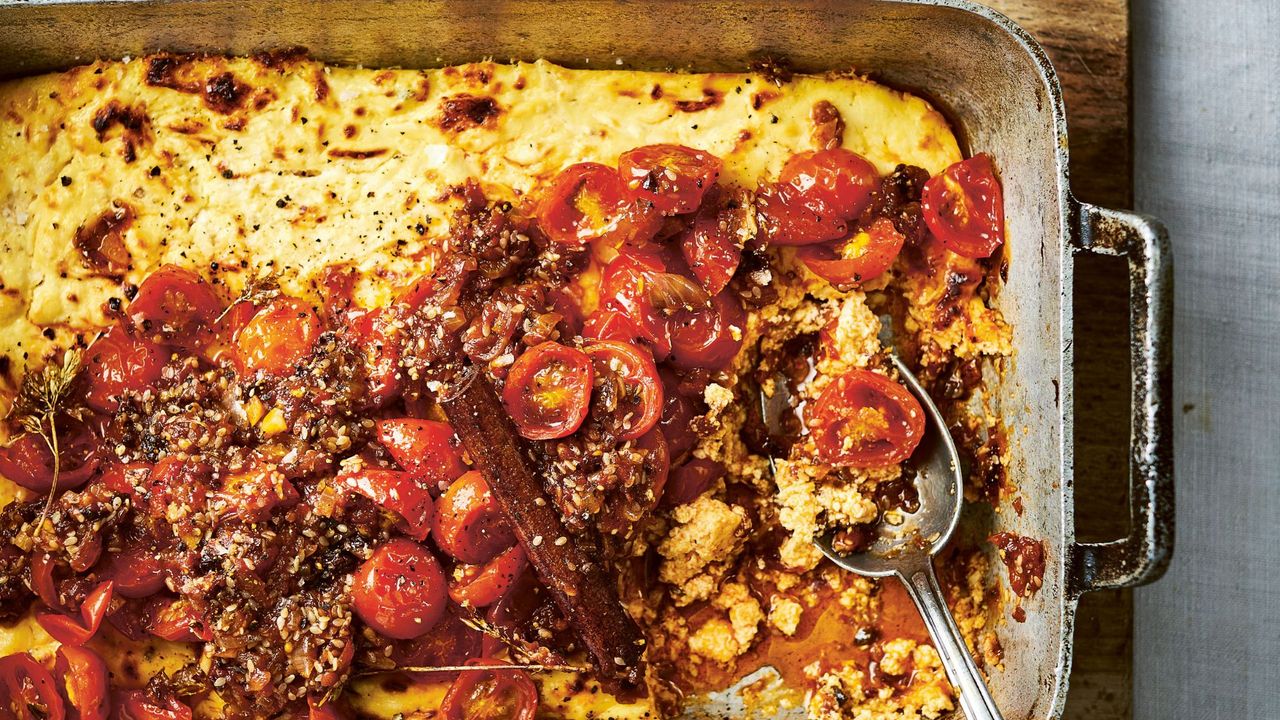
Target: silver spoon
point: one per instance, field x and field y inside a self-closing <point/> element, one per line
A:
<point x="906" y="551"/>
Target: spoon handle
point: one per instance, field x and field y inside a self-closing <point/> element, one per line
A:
<point x="922" y="585"/>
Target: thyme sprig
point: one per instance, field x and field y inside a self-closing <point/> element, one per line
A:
<point x="257" y="291"/>
<point x="42" y="397"/>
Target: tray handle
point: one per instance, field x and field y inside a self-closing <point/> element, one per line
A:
<point x="1143" y="556"/>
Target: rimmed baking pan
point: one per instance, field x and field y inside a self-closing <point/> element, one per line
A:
<point x="989" y="75"/>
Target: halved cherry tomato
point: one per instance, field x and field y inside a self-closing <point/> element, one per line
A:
<point x="789" y="217"/>
<point x="119" y="362"/>
<point x="672" y="177"/>
<point x="174" y="305"/>
<point x="220" y="340"/>
<point x="450" y="642"/>
<point x="624" y="288"/>
<point x="482" y="585"/>
<point x="71" y="631"/>
<point x="176" y="621"/>
<point x="400" y="591"/>
<point x="691" y="480"/>
<point x="377" y="335"/>
<point x="138" y="705"/>
<point x="84" y="675"/>
<point x="425" y="448"/>
<point x="712" y="247"/>
<point x="399" y="492"/>
<point x="840" y="179"/>
<point x="589" y="202"/>
<point x="278" y="337"/>
<point x="964" y="207"/>
<point x="28" y="691"/>
<point x="470" y="525"/>
<point x="864" y="419"/>
<point x="28" y="461"/>
<point x="42" y="581"/>
<point x="862" y="257"/>
<point x="548" y="391"/>
<point x="628" y="389"/>
<point x="605" y="324"/>
<point x="709" y="337"/>
<point x="678" y="413"/>
<point x="494" y="694"/>
<point x="135" y="571"/>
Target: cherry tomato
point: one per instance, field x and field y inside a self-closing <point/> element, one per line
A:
<point x="548" y="391"/>
<point x="138" y="705"/>
<point x="672" y="177"/>
<point x="691" y="480"/>
<point x="84" y="675"/>
<point x="119" y="362"/>
<point x="860" y="258"/>
<point x="482" y="585"/>
<point x="605" y="324"/>
<point x="177" y="621"/>
<point x="42" y="581"/>
<point x="657" y="469"/>
<point x="840" y="179"/>
<point x="28" y="691"/>
<point x="789" y="217"/>
<point x="377" y="335"/>
<point x="470" y="525"/>
<point x="252" y="495"/>
<point x="638" y="285"/>
<point x="628" y="389"/>
<point x="864" y="419"/>
<point x="678" y="413"/>
<point x="174" y="305"/>
<point x="709" y="337"/>
<point x="450" y="642"/>
<point x="28" y="461"/>
<point x="136" y="572"/>
<point x="399" y="492"/>
<point x="400" y="591"/>
<point x="712" y="247"/>
<point x="588" y="202"/>
<point x="964" y="207"/>
<point x="71" y="631"/>
<point x="425" y="448"/>
<point x="220" y="339"/>
<point x="490" y="694"/>
<point x="278" y="337"/>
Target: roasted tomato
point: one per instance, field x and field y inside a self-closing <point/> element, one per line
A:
<point x="28" y="691"/>
<point x="136" y="572"/>
<point x="177" y="621"/>
<point x="378" y="336"/>
<point x="400" y="591"/>
<point x="71" y="631"/>
<point x="864" y="419"/>
<point x="671" y="177"/>
<point x="28" y="461"/>
<point x="481" y="585"/>
<point x="628" y="391"/>
<point x="691" y="480"/>
<point x="399" y="492"/>
<point x="120" y="362"/>
<point x="678" y="413"/>
<point x="84" y="676"/>
<point x="789" y="217"/>
<point x="839" y="179"/>
<point x="138" y="705"/>
<point x="589" y="202"/>
<point x="860" y="258"/>
<point x="708" y="337"/>
<point x="627" y="286"/>
<point x="490" y="694"/>
<point x="712" y="247"/>
<point x="425" y="448"/>
<point x="450" y="642"/>
<point x="964" y="207"/>
<point x="278" y="337"/>
<point x="548" y="391"/>
<point x="605" y="324"/>
<point x="174" y="305"/>
<point x="469" y="524"/>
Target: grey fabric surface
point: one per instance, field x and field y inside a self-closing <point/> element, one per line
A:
<point x="1207" y="152"/>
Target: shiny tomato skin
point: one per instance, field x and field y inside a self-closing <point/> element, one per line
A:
<point x="450" y="642"/>
<point x="789" y="217"/>
<point x="883" y="417"/>
<point x="398" y="492"/>
<point x="490" y="695"/>
<point x="639" y="406"/>
<point x="174" y="305"/>
<point x="840" y="179"/>
<point x="678" y="413"/>
<point x="136" y="705"/>
<point x="400" y="590"/>
<point x="671" y="177"/>
<point x="381" y="342"/>
<point x="28" y="461"/>
<point x="78" y="631"/>
<point x="709" y="338"/>
<point x="712" y="247"/>
<point x="482" y="586"/>
<point x="175" y="621"/>
<point x="279" y="336"/>
<point x="625" y="288"/>
<point x="863" y="257"/>
<point x="470" y="526"/>
<point x="28" y="690"/>
<point x="548" y="391"/>
<point x="588" y="202"/>
<point x="120" y="362"/>
<point x="964" y="207"/>
<point x="690" y="480"/>
<point x="84" y="675"/>
<point x="135" y="572"/>
<point x="606" y="324"/>
<point x="426" y="448"/>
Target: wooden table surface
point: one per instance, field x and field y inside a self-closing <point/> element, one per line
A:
<point x="1088" y="41"/>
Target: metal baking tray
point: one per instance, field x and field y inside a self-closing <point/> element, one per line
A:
<point x="990" y="76"/>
